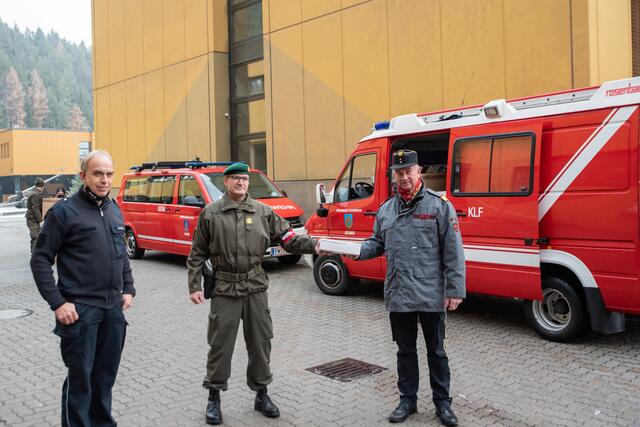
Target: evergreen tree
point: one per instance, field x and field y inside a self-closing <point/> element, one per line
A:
<point x="37" y="100"/>
<point x="13" y="98"/>
<point x="76" y="119"/>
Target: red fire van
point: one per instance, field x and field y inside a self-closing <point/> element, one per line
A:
<point x="546" y="192"/>
<point x="161" y="202"/>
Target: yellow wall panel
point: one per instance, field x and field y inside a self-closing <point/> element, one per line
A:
<point x="175" y="111"/>
<point x="366" y="77"/>
<point x="580" y="43"/>
<point x="531" y="27"/>
<point x="288" y="104"/>
<point x="349" y="3"/>
<point x="266" y="24"/>
<point x="217" y="26"/>
<point x="152" y="38"/>
<point x="415" y="60"/>
<point x="198" y="109"/>
<point x="133" y="37"/>
<point x="100" y="43"/>
<point x="219" y="106"/>
<point x="119" y="129"/>
<point x="136" y="147"/>
<point x="313" y="8"/>
<point x="173" y="31"/>
<point x="154" y="116"/>
<point x="268" y="103"/>
<point x="116" y="41"/>
<point x="323" y="101"/>
<point x="195" y="17"/>
<point x="57" y="151"/>
<point x="613" y="45"/>
<point x="284" y="13"/>
<point x="473" y="60"/>
<point x="102" y="124"/>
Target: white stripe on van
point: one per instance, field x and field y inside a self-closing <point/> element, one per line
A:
<point x="164" y="239"/>
<point x="592" y="146"/>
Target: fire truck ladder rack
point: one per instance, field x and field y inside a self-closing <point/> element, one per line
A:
<point x="194" y="164"/>
<point x="518" y="104"/>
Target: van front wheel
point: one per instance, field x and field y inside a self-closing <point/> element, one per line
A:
<point x="331" y="275"/>
<point x="133" y="251"/>
<point x="560" y="316"/>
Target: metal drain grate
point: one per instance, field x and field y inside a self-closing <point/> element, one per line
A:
<point x="14" y="314"/>
<point x="346" y="369"/>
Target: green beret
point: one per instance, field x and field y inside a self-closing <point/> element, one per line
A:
<point x="238" y="168"/>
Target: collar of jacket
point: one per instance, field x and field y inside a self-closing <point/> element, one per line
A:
<point x="85" y="197"/>
<point x="411" y="203"/>
<point x="248" y="204"/>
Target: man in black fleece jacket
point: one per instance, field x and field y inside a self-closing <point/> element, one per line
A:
<point x="84" y="236"/>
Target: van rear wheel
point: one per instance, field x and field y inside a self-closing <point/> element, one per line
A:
<point x="133" y="250"/>
<point x="331" y="275"/>
<point x="560" y="316"/>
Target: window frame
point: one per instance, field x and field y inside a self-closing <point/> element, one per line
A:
<point x="349" y="170"/>
<point x="493" y="137"/>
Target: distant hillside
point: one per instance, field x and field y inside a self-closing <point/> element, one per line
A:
<point x="45" y="81"/>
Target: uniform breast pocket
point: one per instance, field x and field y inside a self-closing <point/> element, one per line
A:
<point x="117" y="232"/>
<point x="426" y="233"/>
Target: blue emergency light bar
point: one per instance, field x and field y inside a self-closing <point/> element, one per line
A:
<point x="381" y="125"/>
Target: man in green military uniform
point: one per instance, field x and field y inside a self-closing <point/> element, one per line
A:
<point x="234" y="233"/>
<point x="34" y="211"/>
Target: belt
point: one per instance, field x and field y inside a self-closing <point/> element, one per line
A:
<point x="238" y="277"/>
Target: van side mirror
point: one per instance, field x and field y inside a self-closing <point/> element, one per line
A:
<point x="284" y="193"/>
<point x="322" y="212"/>
<point x="192" y="201"/>
<point x="321" y="196"/>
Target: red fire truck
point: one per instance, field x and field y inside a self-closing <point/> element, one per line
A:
<point x="546" y="192"/>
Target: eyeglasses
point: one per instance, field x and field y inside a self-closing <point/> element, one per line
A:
<point x="239" y="178"/>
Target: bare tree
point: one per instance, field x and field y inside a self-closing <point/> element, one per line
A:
<point x="13" y="98"/>
<point x="76" y="119"/>
<point x="38" y="100"/>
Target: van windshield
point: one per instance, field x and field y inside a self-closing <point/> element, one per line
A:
<point x="259" y="186"/>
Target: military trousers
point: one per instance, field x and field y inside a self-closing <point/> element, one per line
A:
<point x="224" y="321"/>
<point x="34" y="232"/>
<point x="91" y="348"/>
<point x="404" y="328"/>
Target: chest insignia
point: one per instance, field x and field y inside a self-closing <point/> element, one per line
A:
<point x="249" y="220"/>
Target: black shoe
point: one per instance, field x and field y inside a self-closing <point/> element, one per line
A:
<point x="447" y="417"/>
<point x="214" y="415"/>
<point x="264" y="404"/>
<point x="404" y="409"/>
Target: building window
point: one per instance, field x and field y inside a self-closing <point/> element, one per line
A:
<point x="246" y="83"/>
<point x="84" y="148"/>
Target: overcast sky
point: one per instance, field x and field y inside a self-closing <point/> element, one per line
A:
<point x="71" y="19"/>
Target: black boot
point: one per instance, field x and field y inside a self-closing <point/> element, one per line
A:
<point x="265" y="405"/>
<point x="214" y="415"/>
<point x="404" y="409"/>
<point x="446" y="415"/>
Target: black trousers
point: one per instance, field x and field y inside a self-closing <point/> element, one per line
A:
<point x="404" y="328"/>
<point x="91" y="349"/>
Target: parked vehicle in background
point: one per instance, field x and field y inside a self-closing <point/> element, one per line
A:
<point x="161" y="202"/>
<point x="546" y="192"/>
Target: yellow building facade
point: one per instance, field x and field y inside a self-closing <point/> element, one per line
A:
<point x="29" y="153"/>
<point x="326" y="70"/>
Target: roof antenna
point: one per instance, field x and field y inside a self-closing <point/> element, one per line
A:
<point x="466" y="89"/>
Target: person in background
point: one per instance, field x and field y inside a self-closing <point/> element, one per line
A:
<point x="34" y="211"/>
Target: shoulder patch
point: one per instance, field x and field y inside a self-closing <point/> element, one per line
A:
<point x="438" y="195"/>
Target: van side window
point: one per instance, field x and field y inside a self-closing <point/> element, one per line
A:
<point x="358" y="179"/>
<point x="189" y="187"/>
<point x="493" y="165"/>
<point x="161" y="189"/>
<point x="135" y="190"/>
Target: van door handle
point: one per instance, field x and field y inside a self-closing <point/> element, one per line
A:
<point x="370" y="213"/>
<point x="461" y="213"/>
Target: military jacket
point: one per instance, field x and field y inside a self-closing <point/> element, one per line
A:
<point x="34" y="207"/>
<point x="425" y="258"/>
<point x="235" y="237"/>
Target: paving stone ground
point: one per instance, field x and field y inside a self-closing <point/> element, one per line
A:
<point x="502" y="373"/>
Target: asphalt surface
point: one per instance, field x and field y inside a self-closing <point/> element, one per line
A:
<point x="502" y="373"/>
